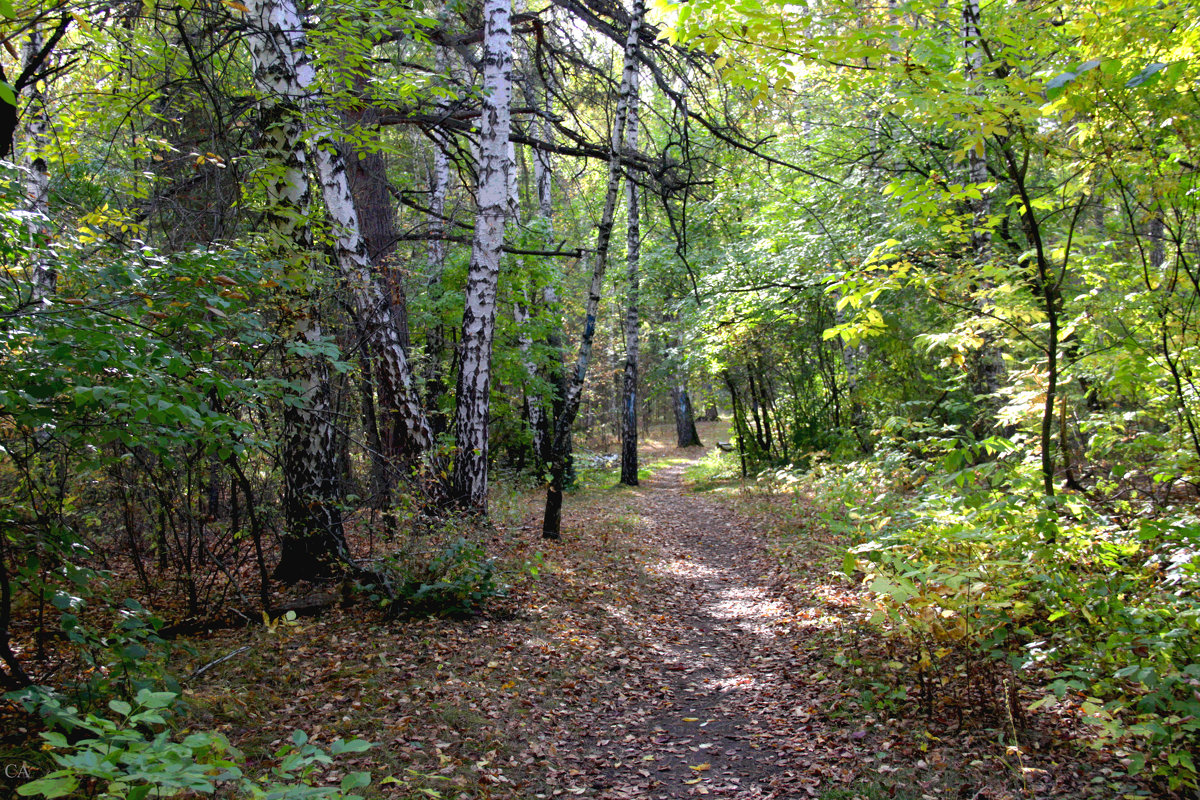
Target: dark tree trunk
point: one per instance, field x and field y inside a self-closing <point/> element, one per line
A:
<point x="741" y="432"/>
<point x="685" y="421"/>
<point x="552" y="521"/>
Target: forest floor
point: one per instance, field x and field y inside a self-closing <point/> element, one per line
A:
<point x="675" y="644"/>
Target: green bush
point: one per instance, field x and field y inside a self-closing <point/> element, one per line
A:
<point x="970" y="565"/>
<point x="131" y="754"/>
<point x="453" y="581"/>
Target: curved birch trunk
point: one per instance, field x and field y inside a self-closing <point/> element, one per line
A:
<point x="573" y="391"/>
<point x="311" y="463"/>
<point x="314" y="540"/>
<point x="479" y="313"/>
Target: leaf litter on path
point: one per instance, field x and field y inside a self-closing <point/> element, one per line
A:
<point x="663" y="652"/>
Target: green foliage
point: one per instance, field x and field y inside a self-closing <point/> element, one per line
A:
<point x="130" y="752"/>
<point x="455" y="580"/>
<point x="975" y="568"/>
<point x="715" y="468"/>
<point x="130" y="658"/>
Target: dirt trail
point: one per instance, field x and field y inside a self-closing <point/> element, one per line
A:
<point x="718" y="697"/>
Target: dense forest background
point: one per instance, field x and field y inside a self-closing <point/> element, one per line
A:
<point x="291" y="290"/>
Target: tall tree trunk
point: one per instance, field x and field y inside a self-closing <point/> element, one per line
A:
<point x="313" y="540"/>
<point x="552" y="520"/>
<point x="284" y="74"/>
<point x="633" y="249"/>
<point x="37" y="177"/>
<point x="479" y="312"/>
<point x="685" y="417"/>
<point x="366" y="170"/>
<point x="439" y="186"/>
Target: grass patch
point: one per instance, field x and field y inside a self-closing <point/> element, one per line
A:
<point x="718" y="469"/>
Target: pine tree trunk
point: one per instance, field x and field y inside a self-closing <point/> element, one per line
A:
<point x="479" y="312"/>
<point x="552" y="521"/>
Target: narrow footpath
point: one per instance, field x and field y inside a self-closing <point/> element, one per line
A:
<point x="721" y="699"/>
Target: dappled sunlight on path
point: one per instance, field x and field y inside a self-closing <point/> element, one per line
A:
<point x="717" y="700"/>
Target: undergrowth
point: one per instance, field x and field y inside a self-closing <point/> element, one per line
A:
<point x="993" y="599"/>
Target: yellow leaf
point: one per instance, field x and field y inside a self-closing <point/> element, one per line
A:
<point x="236" y="5"/>
<point x="691" y="719"/>
<point x="701" y="767"/>
<point x="692" y="781"/>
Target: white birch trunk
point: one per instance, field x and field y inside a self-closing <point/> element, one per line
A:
<point x="439" y="187"/>
<point x="533" y="403"/>
<point x="977" y="172"/>
<point x="282" y="75"/>
<point x="37" y="181"/>
<point x="552" y="520"/>
<point x="633" y="249"/>
<point x="479" y="312"/>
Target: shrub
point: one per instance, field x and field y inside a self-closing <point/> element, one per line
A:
<point x="131" y="754"/>
<point x="452" y="581"/>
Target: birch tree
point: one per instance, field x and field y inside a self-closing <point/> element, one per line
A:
<point x="633" y="245"/>
<point x="573" y="390"/>
<point x="284" y="74"/>
<point x="439" y="187"/>
<point x="314" y="538"/>
<point x="470" y="478"/>
<point x="37" y="175"/>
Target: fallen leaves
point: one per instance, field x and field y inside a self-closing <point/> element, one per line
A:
<point x="663" y="652"/>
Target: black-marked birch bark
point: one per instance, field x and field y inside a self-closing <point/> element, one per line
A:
<point x="284" y="75"/>
<point x="470" y="479"/>
<point x="633" y="248"/>
<point x="313" y="539"/>
<point x="43" y="276"/>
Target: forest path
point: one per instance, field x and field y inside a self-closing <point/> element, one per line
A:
<point x="719" y="694"/>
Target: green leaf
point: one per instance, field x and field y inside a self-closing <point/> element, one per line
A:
<point x="6" y="8"/>
<point x="352" y="746"/>
<point x="50" y="786"/>
<point x="139" y="792"/>
<point x="148" y="699"/>
<point x="121" y="707"/>
<point x="7" y="94"/>
<point x="356" y="780"/>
